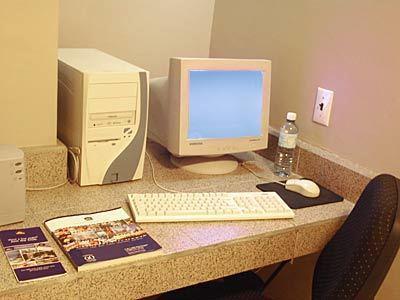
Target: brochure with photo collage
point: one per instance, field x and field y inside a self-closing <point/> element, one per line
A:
<point x="101" y="239"/>
<point x="30" y="255"/>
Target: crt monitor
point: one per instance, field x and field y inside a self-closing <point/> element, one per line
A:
<point x="209" y="107"/>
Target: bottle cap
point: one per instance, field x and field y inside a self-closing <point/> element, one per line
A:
<point x="291" y="116"/>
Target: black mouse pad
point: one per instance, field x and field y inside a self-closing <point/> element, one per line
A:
<point x="295" y="200"/>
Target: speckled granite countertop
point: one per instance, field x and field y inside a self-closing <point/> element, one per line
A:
<point x="192" y="252"/>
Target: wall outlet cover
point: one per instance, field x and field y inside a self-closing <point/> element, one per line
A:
<point x="323" y="106"/>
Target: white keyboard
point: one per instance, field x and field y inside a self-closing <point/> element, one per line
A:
<point x="185" y="207"/>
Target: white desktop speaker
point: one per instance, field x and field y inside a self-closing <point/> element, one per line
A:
<point x="12" y="185"/>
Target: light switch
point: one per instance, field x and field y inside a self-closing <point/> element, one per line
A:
<point x="323" y="106"/>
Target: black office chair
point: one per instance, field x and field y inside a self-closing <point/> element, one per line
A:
<point x="352" y="265"/>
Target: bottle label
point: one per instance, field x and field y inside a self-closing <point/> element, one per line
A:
<point x="287" y="140"/>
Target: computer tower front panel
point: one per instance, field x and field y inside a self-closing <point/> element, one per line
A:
<point x="116" y="123"/>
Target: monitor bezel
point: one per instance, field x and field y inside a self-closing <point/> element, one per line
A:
<point x="220" y="146"/>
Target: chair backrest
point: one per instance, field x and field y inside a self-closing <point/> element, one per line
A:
<point x="356" y="260"/>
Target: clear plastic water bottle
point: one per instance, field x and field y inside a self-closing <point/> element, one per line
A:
<point x="286" y="145"/>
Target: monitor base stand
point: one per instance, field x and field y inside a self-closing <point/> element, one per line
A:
<point x="206" y="165"/>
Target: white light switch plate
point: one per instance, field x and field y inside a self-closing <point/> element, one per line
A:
<point x="323" y="106"/>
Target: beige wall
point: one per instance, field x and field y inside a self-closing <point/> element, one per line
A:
<point x="146" y="33"/>
<point x="351" y="47"/>
<point x="28" y="82"/>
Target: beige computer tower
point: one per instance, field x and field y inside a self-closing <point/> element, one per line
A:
<point x="102" y="115"/>
<point x="12" y="185"/>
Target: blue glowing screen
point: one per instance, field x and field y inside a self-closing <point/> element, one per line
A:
<point x="225" y="104"/>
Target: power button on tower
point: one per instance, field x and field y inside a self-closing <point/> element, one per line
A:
<point x="114" y="177"/>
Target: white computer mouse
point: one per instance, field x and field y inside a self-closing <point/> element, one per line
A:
<point x="304" y="187"/>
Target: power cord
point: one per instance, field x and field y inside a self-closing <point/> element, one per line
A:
<point x="47" y="188"/>
<point x="75" y="152"/>
<point x="244" y="165"/>
<point x="154" y="177"/>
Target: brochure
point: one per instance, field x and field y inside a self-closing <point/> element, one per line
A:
<point x="30" y="255"/>
<point x="101" y="238"/>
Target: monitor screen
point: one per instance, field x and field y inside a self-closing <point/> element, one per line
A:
<point x="225" y="104"/>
